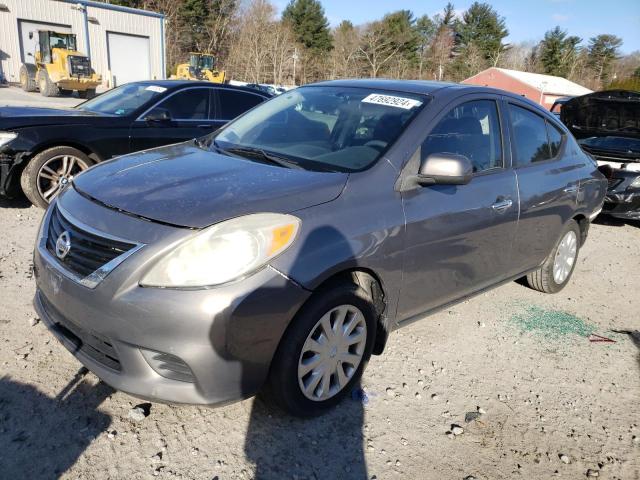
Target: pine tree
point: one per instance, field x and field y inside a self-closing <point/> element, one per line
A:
<point x="602" y="51"/>
<point x="557" y="52"/>
<point x="479" y="38"/>
<point x="309" y="23"/>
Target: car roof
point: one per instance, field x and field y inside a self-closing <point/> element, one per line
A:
<point x="423" y="87"/>
<point x="175" y="84"/>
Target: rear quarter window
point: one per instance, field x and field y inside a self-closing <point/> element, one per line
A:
<point x="233" y="104"/>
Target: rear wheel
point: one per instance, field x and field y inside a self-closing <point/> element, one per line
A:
<point x="27" y="82"/>
<point x="555" y="272"/>
<point x="89" y="93"/>
<point x="46" y="86"/>
<point x="50" y="171"/>
<point x="324" y="351"/>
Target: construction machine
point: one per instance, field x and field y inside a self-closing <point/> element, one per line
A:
<point x="58" y="67"/>
<point x="201" y="66"/>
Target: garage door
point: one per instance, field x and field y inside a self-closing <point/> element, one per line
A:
<point x="128" y="58"/>
<point x="28" y="45"/>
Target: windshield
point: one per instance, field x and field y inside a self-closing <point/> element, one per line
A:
<point x="617" y="144"/>
<point x="325" y="128"/>
<point x="61" y="40"/>
<point x="123" y="100"/>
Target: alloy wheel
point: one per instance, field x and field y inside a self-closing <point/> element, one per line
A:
<point x="56" y="173"/>
<point x="332" y="352"/>
<point x="565" y="257"/>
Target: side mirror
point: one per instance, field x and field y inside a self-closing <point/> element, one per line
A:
<point x="158" y="115"/>
<point x="30" y="35"/>
<point x="445" y="169"/>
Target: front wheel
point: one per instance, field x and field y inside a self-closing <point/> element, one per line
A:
<point x="555" y="272"/>
<point x="46" y="86"/>
<point x="50" y="171"/>
<point x="324" y="351"/>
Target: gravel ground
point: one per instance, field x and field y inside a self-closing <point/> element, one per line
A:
<point x="506" y="385"/>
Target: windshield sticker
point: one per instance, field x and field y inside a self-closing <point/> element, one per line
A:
<point x="391" y="101"/>
<point x="155" y="88"/>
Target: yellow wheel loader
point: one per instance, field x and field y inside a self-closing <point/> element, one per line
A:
<point x="58" y="67"/>
<point x="201" y="66"/>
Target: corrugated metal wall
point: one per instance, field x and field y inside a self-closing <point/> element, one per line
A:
<point x="51" y="11"/>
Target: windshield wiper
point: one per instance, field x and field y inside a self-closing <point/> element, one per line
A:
<point x="261" y="155"/>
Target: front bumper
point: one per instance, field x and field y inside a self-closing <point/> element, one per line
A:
<point x="622" y="205"/>
<point x="226" y="336"/>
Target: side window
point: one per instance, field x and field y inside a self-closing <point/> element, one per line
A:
<point x="530" y="136"/>
<point x="555" y="139"/>
<point x="233" y="103"/>
<point x="471" y="129"/>
<point x="191" y="104"/>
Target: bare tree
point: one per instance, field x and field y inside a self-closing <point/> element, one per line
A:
<point x="441" y="51"/>
<point x="218" y="27"/>
<point x="378" y="47"/>
<point x="345" y="54"/>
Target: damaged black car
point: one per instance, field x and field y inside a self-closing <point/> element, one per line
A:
<point x="607" y="126"/>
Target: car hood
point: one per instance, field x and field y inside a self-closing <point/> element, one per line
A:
<point x="187" y="186"/>
<point x="602" y="114"/>
<point x="17" y="117"/>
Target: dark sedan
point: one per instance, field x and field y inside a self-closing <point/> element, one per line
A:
<point x="41" y="149"/>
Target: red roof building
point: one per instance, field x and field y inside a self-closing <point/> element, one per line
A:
<point x="542" y="89"/>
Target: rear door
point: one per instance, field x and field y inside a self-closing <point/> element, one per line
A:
<point x="233" y="103"/>
<point x="192" y="112"/>
<point x="548" y="176"/>
<point x="459" y="237"/>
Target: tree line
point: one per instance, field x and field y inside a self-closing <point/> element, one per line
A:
<point x="255" y="44"/>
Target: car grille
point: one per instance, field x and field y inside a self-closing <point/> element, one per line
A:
<point x="79" y="66"/>
<point x="88" y="252"/>
<point x="97" y="347"/>
<point x="613" y="182"/>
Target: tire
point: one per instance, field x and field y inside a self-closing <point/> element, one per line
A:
<point x="89" y="93"/>
<point x="27" y="82"/>
<point x="547" y="279"/>
<point x="39" y="185"/>
<point x="284" y="387"/>
<point x="46" y="86"/>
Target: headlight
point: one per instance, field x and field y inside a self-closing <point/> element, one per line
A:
<point x="635" y="183"/>
<point x="6" y="137"/>
<point x="225" y="252"/>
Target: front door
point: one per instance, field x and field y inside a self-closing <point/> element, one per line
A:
<point x="459" y="237"/>
<point x="191" y="115"/>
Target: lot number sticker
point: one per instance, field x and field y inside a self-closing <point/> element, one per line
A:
<point x="155" y="88"/>
<point x="392" y="101"/>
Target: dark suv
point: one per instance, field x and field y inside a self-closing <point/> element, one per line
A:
<point x="284" y="248"/>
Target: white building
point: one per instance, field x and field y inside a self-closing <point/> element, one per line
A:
<point x="124" y="44"/>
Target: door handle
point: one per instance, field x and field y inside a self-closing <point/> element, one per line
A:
<point x="204" y="125"/>
<point x="570" y="189"/>
<point x="502" y="205"/>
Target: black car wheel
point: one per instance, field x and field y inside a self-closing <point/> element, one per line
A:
<point x="89" y="93"/>
<point x="27" y="82"/>
<point x="324" y="351"/>
<point x="46" y="86"/>
<point x="556" y="271"/>
<point x="50" y="171"/>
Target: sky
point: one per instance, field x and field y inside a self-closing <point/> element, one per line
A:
<point x="527" y="20"/>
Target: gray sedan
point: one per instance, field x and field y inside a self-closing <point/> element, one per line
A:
<point x="278" y="253"/>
